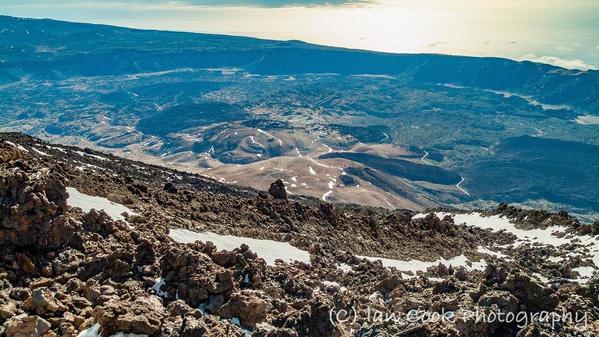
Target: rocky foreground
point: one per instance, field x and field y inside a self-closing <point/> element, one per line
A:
<point x="70" y="266"/>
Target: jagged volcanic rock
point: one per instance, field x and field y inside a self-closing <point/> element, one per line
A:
<point x="65" y="270"/>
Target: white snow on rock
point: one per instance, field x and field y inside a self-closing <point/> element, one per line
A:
<point x="94" y="331"/>
<point x="586" y="273"/>
<point x="484" y="250"/>
<point x="541" y="277"/>
<point x="311" y="170"/>
<point x="57" y="148"/>
<point x="334" y="285"/>
<point x="17" y="146"/>
<point x="344" y="267"/>
<point x="330" y="283"/>
<point x="87" y="202"/>
<point x="40" y="152"/>
<point x="159" y="283"/>
<point x="551" y="236"/>
<point x="420" y="216"/>
<point x="81" y="153"/>
<point x="267" y="249"/>
<point x="415" y="266"/>
<point x="497" y="223"/>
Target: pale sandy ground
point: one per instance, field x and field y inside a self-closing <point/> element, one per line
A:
<point x="302" y="173"/>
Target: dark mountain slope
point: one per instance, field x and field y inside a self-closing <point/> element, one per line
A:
<point x="54" y="49"/>
<point x="548" y="166"/>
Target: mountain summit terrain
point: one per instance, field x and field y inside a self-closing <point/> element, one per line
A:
<point x="96" y="245"/>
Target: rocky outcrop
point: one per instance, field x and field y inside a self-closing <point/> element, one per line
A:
<point x="247" y="306"/>
<point x="193" y="277"/>
<point x="144" y="315"/>
<point x="64" y="271"/>
<point x="277" y="190"/>
<point x="33" y="209"/>
<point x="26" y="326"/>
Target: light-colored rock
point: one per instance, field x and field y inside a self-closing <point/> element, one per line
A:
<point x="26" y="326"/>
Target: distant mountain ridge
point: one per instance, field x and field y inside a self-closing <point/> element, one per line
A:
<point x="411" y="131"/>
<point x="49" y="49"/>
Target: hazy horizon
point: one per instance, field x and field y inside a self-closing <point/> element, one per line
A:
<point x="562" y="33"/>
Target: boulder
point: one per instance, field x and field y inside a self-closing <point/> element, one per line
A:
<point x="170" y="188"/>
<point x="247" y="306"/>
<point x="43" y="301"/>
<point x="193" y="276"/>
<point x="26" y="326"/>
<point x="501" y="300"/>
<point x="141" y="316"/>
<point x="193" y="327"/>
<point x="533" y="294"/>
<point x="277" y="190"/>
<point x="33" y="211"/>
<point x="7" y="310"/>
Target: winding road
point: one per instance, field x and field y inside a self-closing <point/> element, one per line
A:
<point x="384" y="139"/>
<point x="424" y="159"/>
<point x="459" y="188"/>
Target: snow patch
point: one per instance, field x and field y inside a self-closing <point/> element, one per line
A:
<point x="157" y="287"/>
<point x="94" y="331"/>
<point x="81" y="153"/>
<point x="587" y="120"/>
<point x="374" y="76"/>
<point x="415" y="266"/>
<point x="87" y="202"/>
<point x="40" y="152"/>
<point x="497" y="223"/>
<point x="551" y="236"/>
<point x="334" y="284"/>
<point x="484" y="250"/>
<point x="57" y="148"/>
<point x="586" y="273"/>
<point x="530" y="100"/>
<point x="269" y="250"/>
<point x="344" y="267"/>
<point x="17" y="146"/>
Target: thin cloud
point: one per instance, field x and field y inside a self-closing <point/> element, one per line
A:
<point x="559" y="62"/>
<point x="271" y="3"/>
<point x="437" y="44"/>
<point x="203" y="3"/>
<point x="564" y="48"/>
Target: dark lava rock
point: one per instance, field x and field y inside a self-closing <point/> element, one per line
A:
<point x="277" y="190"/>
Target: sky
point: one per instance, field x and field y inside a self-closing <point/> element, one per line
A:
<point x="559" y="32"/>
